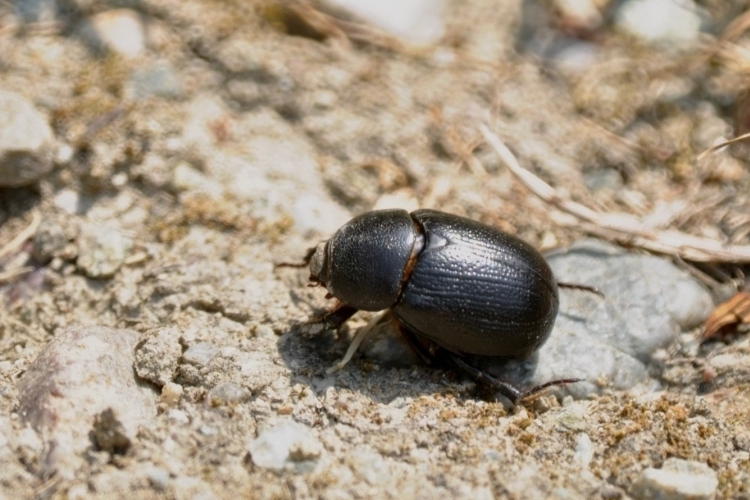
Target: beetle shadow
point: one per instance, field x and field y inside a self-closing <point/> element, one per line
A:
<point x="309" y="358"/>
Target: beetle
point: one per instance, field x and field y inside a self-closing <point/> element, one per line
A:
<point x="455" y="286"/>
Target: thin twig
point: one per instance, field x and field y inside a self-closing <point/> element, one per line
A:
<point x="22" y="236"/>
<point x="7" y="276"/>
<point x="623" y="228"/>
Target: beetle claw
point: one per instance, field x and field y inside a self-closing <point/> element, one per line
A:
<point x="530" y="394"/>
<point x="330" y="321"/>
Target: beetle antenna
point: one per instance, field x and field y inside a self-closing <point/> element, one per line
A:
<point x="585" y="288"/>
<point x="305" y="261"/>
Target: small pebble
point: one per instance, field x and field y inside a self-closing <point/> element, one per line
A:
<point x="69" y="201"/>
<point x="178" y="416"/>
<point x="677" y="480"/>
<point x="27" y="145"/>
<point x="284" y="446"/>
<point x="171" y="394"/>
<point x="192" y="488"/>
<point x="102" y="250"/>
<point x="200" y="354"/>
<point x="158" y="355"/>
<point x="158" y="478"/>
<point x="671" y="24"/>
<point x="119" y="30"/>
<point x="228" y="393"/>
<point x="584" y="451"/>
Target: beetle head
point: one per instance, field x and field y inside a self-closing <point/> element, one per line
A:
<point x="319" y="269"/>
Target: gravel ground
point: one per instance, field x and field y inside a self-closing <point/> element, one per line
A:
<point x="157" y="159"/>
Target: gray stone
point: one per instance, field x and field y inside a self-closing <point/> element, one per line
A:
<point x="37" y="11"/>
<point x="677" y="480"/>
<point x="573" y="416"/>
<point x="27" y="145"/>
<point x="228" y="393"/>
<point x="81" y="373"/>
<point x="287" y="445"/>
<point x="647" y="299"/>
<point x="102" y="250"/>
<point x="159" y="79"/>
<point x="200" y="354"/>
<point x="605" y="178"/>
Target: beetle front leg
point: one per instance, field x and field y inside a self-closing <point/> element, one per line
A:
<point x="330" y="321"/>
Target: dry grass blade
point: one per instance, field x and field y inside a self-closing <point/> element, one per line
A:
<point x="730" y="313"/>
<point x="340" y="30"/>
<point x="22" y="236"/>
<point x="713" y="149"/>
<point x="623" y="228"/>
<point x="319" y="22"/>
<point x="4" y="277"/>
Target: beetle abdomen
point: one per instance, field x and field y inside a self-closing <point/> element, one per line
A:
<point x="474" y="285"/>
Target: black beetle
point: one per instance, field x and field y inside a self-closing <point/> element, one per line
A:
<point x="456" y="287"/>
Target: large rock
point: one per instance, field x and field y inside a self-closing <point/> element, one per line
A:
<point x="71" y="385"/>
<point x="26" y="142"/>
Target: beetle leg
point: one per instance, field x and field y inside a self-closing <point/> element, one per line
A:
<point x="514" y="394"/>
<point x="331" y="321"/>
<point x="428" y="356"/>
<point x="506" y="388"/>
<point x="358" y="338"/>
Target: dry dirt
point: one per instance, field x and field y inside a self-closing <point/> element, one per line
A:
<point x="278" y="130"/>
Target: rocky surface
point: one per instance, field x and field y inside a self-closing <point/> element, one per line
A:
<point x="162" y="157"/>
<point x="84" y="374"/>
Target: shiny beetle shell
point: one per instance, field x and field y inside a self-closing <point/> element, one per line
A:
<point x="466" y="286"/>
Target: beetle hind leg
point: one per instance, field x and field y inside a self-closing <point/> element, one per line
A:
<point x="510" y="391"/>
